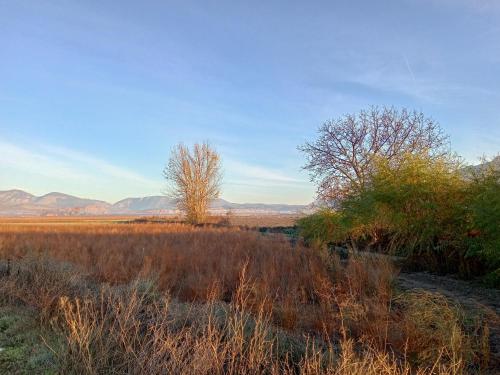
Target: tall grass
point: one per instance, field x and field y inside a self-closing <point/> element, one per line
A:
<point x="188" y="261"/>
<point x="148" y="299"/>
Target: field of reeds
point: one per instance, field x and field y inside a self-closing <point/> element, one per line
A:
<point x="158" y="298"/>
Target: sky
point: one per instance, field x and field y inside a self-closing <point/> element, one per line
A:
<point x="94" y="94"/>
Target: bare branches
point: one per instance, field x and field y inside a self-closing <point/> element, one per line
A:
<point x="342" y="157"/>
<point x="194" y="179"/>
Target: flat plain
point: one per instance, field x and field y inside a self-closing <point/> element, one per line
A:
<point x="257" y="302"/>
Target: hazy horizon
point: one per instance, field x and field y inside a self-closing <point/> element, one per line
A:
<point x="93" y="95"/>
<point x="138" y="197"/>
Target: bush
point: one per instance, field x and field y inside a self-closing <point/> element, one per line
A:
<point x="322" y="228"/>
<point x="484" y="221"/>
<point x="39" y="282"/>
<point x="423" y="208"/>
<point x="414" y="208"/>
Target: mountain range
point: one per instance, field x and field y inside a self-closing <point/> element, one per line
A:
<point x="21" y="203"/>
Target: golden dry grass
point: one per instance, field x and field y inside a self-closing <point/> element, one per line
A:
<point x="188" y="261"/>
<point x="223" y="300"/>
<point x="250" y="221"/>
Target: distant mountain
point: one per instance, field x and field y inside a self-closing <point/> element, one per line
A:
<point x="62" y="201"/>
<point x="493" y="163"/>
<point x="20" y="203"/>
<point x="145" y="204"/>
<point x="15" y="197"/>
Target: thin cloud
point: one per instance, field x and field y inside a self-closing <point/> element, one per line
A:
<point x="99" y="165"/>
<point x="409" y="69"/>
<point x="257" y="173"/>
<point x="26" y="160"/>
<point x="62" y="163"/>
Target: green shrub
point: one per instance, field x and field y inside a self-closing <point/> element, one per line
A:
<point x="424" y="208"/>
<point x="484" y="219"/>
<point x="492" y="279"/>
<point x="321" y="228"/>
<point x="414" y="208"/>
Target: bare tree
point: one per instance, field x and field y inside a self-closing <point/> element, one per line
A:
<point x="342" y="157"/>
<point x="194" y="179"/>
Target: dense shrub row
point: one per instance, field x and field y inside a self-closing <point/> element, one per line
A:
<point x="440" y="216"/>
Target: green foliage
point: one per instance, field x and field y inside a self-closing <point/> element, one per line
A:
<point x="424" y="208"/>
<point x="415" y="203"/>
<point x="492" y="279"/>
<point x="22" y="349"/>
<point x="484" y="212"/>
<point x="322" y="227"/>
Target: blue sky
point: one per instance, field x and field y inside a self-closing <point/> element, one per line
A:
<point x="93" y="94"/>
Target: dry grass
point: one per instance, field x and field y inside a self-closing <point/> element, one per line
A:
<point x="223" y="300"/>
<point x="187" y="261"/>
<point x="250" y="221"/>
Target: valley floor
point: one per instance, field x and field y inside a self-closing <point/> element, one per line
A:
<point x="362" y="315"/>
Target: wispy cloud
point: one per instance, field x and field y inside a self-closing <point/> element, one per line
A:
<point x="256" y="174"/>
<point x="250" y="182"/>
<point x="409" y="68"/>
<point x="398" y="80"/>
<point x="65" y="169"/>
<point x="39" y="167"/>
<point x="99" y="165"/>
<point x="30" y="161"/>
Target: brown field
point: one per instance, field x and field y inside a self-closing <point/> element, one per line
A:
<point x="151" y="298"/>
<point x="250" y="221"/>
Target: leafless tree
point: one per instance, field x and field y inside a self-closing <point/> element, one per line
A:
<point x="342" y="157"/>
<point x="194" y="179"/>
